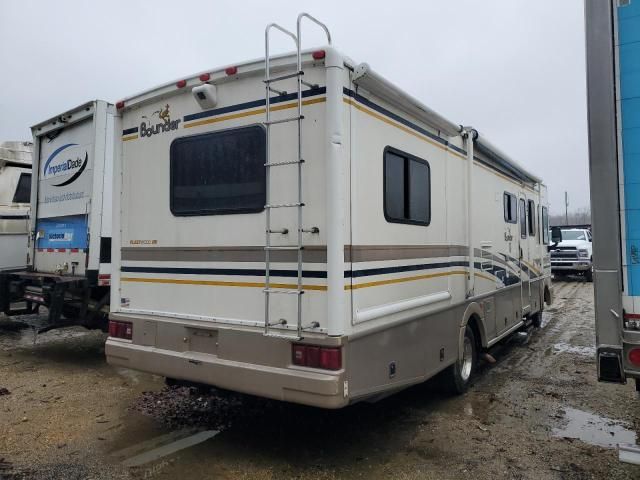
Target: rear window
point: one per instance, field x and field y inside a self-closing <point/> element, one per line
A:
<point x="219" y="173"/>
<point x="23" y="190"/>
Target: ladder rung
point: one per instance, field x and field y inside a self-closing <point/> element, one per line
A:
<point x="284" y="248"/>
<point x="277" y="164"/>
<point x="283" y="336"/>
<point x="282" y="292"/>
<point x="282" y="231"/>
<point x="283" y="77"/>
<point x="284" y="205"/>
<point x="312" y="86"/>
<point x="284" y="120"/>
<point x="279" y="92"/>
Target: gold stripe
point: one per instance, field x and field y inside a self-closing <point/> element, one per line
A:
<point x="258" y="111"/>
<point x="131" y="137"/>
<point x="217" y="283"/>
<point x="401" y="280"/>
<point x="401" y="127"/>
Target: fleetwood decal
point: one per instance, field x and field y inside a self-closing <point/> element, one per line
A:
<point x="64" y="161"/>
<point x="147" y="129"/>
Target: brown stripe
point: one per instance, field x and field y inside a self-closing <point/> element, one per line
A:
<point x="310" y="254"/>
<point x="379" y="253"/>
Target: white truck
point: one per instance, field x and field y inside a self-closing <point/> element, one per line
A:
<point x="69" y="251"/>
<point x="15" y="186"/>
<point x="574" y="254"/>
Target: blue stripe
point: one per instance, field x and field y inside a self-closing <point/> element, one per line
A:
<point x="129" y="131"/>
<point x="250" y="272"/>
<point x="256" y="103"/>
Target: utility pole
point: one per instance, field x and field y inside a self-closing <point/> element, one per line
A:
<point x="566" y="208"/>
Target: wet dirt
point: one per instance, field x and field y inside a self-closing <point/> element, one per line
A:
<point x="538" y="413"/>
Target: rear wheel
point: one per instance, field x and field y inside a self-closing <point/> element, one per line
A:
<point x="460" y="373"/>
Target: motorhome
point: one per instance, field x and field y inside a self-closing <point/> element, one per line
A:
<point x="68" y="255"/>
<point x="299" y="228"/>
<point x="15" y="186"/>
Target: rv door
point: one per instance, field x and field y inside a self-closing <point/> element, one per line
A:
<point x="523" y="258"/>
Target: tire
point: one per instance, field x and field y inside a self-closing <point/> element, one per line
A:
<point x="536" y="319"/>
<point x="588" y="275"/>
<point x="460" y="373"/>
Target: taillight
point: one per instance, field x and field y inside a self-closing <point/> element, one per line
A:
<point x="319" y="54"/>
<point x="634" y="356"/>
<point x="120" y="329"/>
<point x="313" y="356"/>
<point x="231" y="70"/>
<point x="120" y="105"/>
<point x="205" y="77"/>
<point x="181" y="83"/>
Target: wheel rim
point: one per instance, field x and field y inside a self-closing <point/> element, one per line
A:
<point x="467" y="359"/>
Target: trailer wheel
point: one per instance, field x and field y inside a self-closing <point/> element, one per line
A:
<point x="460" y="373"/>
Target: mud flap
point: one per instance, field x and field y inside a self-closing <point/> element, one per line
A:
<point x="610" y="365"/>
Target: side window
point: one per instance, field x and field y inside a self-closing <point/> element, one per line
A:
<point x="531" y="218"/>
<point x="23" y="190"/>
<point x="523" y="218"/>
<point x="407" y="188"/>
<point x="545" y="225"/>
<point x="218" y="173"/>
<point x="510" y="208"/>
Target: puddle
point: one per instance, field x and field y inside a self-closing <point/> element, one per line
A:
<point x="594" y="429"/>
<point x="582" y="350"/>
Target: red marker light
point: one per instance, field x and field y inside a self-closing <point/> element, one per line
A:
<point x="205" y="77"/>
<point x="319" y="54"/>
<point x="634" y="356"/>
<point x="181" y="84"/>
<point x="231" y="70"/>
<point x="120" y="105"/>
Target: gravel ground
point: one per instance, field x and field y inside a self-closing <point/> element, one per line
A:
<point x="538" y="413"/>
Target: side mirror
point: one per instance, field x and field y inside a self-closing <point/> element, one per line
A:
<point x="556" y="235"/>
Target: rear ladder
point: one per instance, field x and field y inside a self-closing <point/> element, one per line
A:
<point x="269" y="81"/>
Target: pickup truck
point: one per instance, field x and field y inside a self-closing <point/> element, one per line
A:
<point x="573" y="255"/>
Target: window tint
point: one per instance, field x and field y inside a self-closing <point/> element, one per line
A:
<point x="407" y="188"/>
<point x="545" y="226"/>
<point x="523" y="219"/>
<point x="531" y="218"/>
<point x="219" y="173"/>
<point x="23" y="190"/>
<point x="510" y="208"/>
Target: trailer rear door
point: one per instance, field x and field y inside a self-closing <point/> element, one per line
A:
<point x="64" y="189"/>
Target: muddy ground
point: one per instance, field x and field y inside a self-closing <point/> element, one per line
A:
<point x="538" y="413"/>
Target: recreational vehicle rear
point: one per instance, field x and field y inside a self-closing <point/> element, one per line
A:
<point x="69" y="263"/>
<point x="297" y="227"/>
<point x="15" y="185"/>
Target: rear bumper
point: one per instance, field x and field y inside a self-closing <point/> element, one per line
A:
<point x="242" y="370"/>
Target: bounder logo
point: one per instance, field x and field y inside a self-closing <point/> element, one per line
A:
<point x="65" y="160"/>
<point x="165" y="125"/>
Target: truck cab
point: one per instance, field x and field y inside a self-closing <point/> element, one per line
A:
<point x="574" y="254"/>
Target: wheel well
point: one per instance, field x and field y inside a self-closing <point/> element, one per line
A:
<point x="473" y="323"/>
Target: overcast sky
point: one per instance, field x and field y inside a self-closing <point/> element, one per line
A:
<point x="513" y="69"/>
